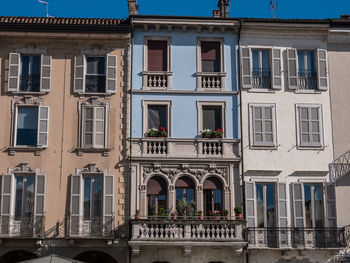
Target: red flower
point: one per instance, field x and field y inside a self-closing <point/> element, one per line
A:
<point x="162" y="128"/>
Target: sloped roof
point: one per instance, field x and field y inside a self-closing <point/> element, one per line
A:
<point x="51" y="259"/>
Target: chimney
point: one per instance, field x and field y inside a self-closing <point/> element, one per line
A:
<point x="133" y="7"/>
<point x="223" y="11"/>
<point x="216" y="13"/>
<point x="345" y="16"/>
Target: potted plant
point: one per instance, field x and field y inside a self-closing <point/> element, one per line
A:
<point x="174" y="215"/>
<point x="162" y="132"/>
<point x="217" y="214"/>
<point x="200" y="214"/>
<point x="227" y="214"/>
<point x="137" y="215"/>
<point x="209" y="133"/>
<point x="238" y="212"/>
<point x="218" y="133"/>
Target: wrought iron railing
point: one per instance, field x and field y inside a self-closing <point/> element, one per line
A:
<point x="296" y="237"/>
<point x="95" y="227"/>
<point x="30" y="83"/>
<point x="340" y="166"/>
<point x="30" y="226"/>
<point x="95" y="84"/>
<point x="307" y="80"/>
<point x="261" y="79"/>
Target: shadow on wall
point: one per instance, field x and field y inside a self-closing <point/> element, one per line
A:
<point x="17" y="256"/>
<point x="344" y="180"/>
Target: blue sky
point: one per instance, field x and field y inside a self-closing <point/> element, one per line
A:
<point x="118" y="8"/>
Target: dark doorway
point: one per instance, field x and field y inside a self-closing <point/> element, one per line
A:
<point x="95" y="257"/>
<point x="17" y="256"/>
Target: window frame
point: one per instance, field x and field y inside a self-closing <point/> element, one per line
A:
<point x="201" y="104"/>
<point x="92" y="187"/>
<point x="86" y="56"/>
<point x="145" y="104"/>
<point x="300" y="144"/>
<point x="199" y="53"/>
<point x="252" y="142"/>
<point x="312" y="194"/>
<point x="264" y="185"/>
<point x="145" y="52"/>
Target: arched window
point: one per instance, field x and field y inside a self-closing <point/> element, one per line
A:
<point x="213" y="197"/>
<point x="185" y="196"/>
<point x="157" y="196"/>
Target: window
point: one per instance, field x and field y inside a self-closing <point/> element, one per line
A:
<point x="157" y="196"/>
<point x="213" y="196"/>
<point x="32" y="125"/>
<point x="210" y="56"/>
<point x="157" y="117"/>
<point x="313" y="205"/>
<point x="95" y="74"/>
<point x="185" y="196"/>
<point x="306" y="70"/>
<point x="261" y="69"/>
<point x="29" y="73"/>
<point x="310" y="126"/>
<point x="92" y="197"/>
<point x="211" y="115"/>
<point x="94" y="128"/>
<point x="265" y="204"/>
<point x="157" y="56"/>
<point x="263" y="125"/>
<point x="24" y="199"/>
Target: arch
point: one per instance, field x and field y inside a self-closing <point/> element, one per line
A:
<point x="194" y="178"/>
<point x="185" y="181"/>
<point x="218" y="176"/>
<point x="157" y="195"/>
<point x="16" y="256"/>
<point x="212" y="183"/>
<point x="213" y="197"/>
<point x="94" y="256"/>
<point x="185" y="189"/>
<point x="147" y="178"/>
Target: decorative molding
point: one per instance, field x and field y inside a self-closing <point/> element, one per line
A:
<point x="142" y="187"/>
<point x="24" y="168"/>
<point x="262" y="172"/>
<point x="26" y="100"/>
<point x="90" y="168"/>
<point x="310" y="173"/>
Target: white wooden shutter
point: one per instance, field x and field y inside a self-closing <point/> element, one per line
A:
<point x="292" y="68"/>
<point x="111" y="75"/>
<point x="39" y="204"/>
<point x="250" y="203"/>
<point x="43" y="126"/>
<point x="6" y="193"/>
<point x="276" y="69"/>
<point x="75" y="200"/>
<point x="79" y="74"/>
<point x="298" y="204"/>
<point x="246" y="69"/>
<point x="99" y="127"/>
<point x="108" y="202"/>
<point x="322" y="67"/>
<point x="282" y="205"/>
<point x="331" y="209"/>
<point x="45" y="76"/>
<point x="14" y="72"/>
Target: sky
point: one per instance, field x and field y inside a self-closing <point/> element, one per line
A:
<point x="119" y="8"/>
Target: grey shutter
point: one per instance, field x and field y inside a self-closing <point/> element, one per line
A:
<point x="75" y="204"/>
<point x="292" y="68"/>
<point x="39" y="204"/>
<point x="250" y="203"/>
<point x="276" y="69"/>
<point x="282" y="205"/>
<point x="88" y="126"/>
<point x="6" y="193"/>
<point x="331" y="209"/>
<point x="45" y="75"/>
<point x="79" y="74"/>
<point x="14" y="72"/>
<point x="298" y="204"/>
<point x="111" y="81"/>
<point x="322" y="67"/>
<point x="108" y="202"/>
<point x="257" y="112"/>
<point x="246" y="69"/>
<point x="43" y="126"/>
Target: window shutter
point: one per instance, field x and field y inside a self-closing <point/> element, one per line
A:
<point x="298" y="204"/>
<point x="45" y="73"/>
<point x="322" y="69"/>
<point x="276" y="69"/>
<point x="108" y="202"/>
<point x="14" y="72"/>
<point x="157" y="55"/>
<point x="292" y="69"/>
<point x="43" y="126"/>
<point x="282" y="205"/>
<point x="331" y="209"/>
<point x="39" y="204"/>
<point x="99" y="127"/>
<point x="250" y="203"/>
<point x="246" y="68"/>
<point x="111" y="83"/>
<point x="75" y="204"/>
<point x="6" y="193"/>
<point x="79" y="74"/>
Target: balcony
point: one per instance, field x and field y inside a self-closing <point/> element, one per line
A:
<point x="185" y="148"/>
<point x="97" y="227"/>
<point x="156" y="80"/>
<point x="24" y="227"/>
<point x="211" y="81"/>
<point x="340" y="167"/>
<point x="298" y="238"/>
<point x="307" y="80"/>
<point x="261" y="79"/>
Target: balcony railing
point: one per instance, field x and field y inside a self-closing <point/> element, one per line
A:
<point x="261" y="79"/>
<point x="30" y="83"/>
<point x="340" y="167"/>
<point x="95" y="84"/>
<point x="187" y="230"/>
<point x="22" y="227"/>
<point x="154" y="79"/>
<point x="95" y="227"/>
<point x="296" y="237"/>
<point x="210" y="80"/>
<point x="185" y="148"/>
<point x="307" y="80"/>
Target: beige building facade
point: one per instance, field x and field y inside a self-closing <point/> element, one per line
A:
<point x="63" y="149"/>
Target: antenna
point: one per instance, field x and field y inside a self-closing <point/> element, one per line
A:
<point x="273" y="8"/>
<point x="47" y="7"/>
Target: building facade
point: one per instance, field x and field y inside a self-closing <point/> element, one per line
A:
<point x="63" y="138"/>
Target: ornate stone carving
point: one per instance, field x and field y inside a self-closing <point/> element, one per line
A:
<point x="171" y="188"/>
<point x="22" y="168"/>
<point x="142" y="187"/>
<point x="91" y="168"/>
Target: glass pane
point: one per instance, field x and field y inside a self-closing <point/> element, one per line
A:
<point x="307" y="205"/>
<point x="304" y="113"/>
<point x="29" y="196"/>
<point x="212" y="118"/>
<point x="268" y="137"/>
<point x="210" y="66"/>
<point x="270" y="205"/>
<point x="258" y="137"/>
<point x="305" y="138"/>
<point x="19" y="194"/>
<point x="304" y="126"/>
<point x="189" y="195"/>
<point x="27" y="125"/>
<point x="256" y="64"/>
<point x="88" y="126"/>
<point x="260" y="205"/>
<point x="179" y="194"/>
<point x="268" y="113"/>
<point x="88" y="139"/>
<point x="87" y="198"/>
<point x="157" y="117"/>
<point x="30" y="73"/>
<point x="301" y="63"/>
<point x="315" y="126"/>
<point x="258" y="126"/>
<point x="257" y="113"/>
<point x="99" y="126"/>
<point x="315" y="138"/>
<point x="310" y="61"/>
<point x="95" y="65"/>
<point x="318" y="205"/>
<point x="314" y="113"/>
<point x="265" y="60"/>
<point x="268" y="126"/>
<point x="217" y="200"/>
<point x="88" y="113"/>
<point x="97" y="197"/>
<point x="99" y="113"/>
<point x="99" y="139"/>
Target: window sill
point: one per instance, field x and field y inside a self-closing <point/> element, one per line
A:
<point x="97" y="94"/>
<point x="30" y="92"/>
<point x="37" y="150"/>
<point x="252" y="90"/>
<point x="103" y="151"/>
<point x="315" y="148"/>
<point x="307" y="92"/>
<point x="263" y="147"/>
